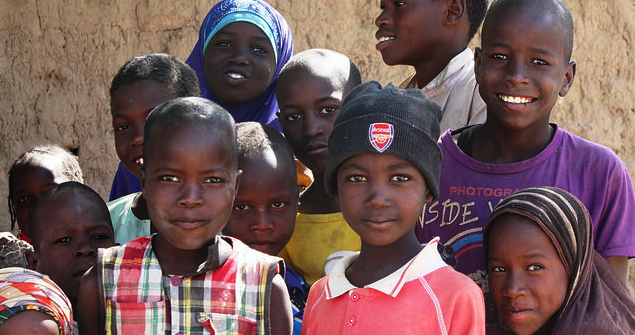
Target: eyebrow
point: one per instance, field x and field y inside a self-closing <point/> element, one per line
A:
<point x="323" y="99"/>
<point x="231" y="33"/>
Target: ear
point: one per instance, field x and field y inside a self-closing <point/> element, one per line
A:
<point x="478" y="54"/>
<point x="239" y="174"/>
<point x="568" y="78"/>
<point x="33" y="260"/>
<point x="455" y="10"/>
<point x="428" y="197"/>
<point x="143" y="177"/>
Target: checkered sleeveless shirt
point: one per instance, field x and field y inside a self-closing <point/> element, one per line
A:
<point x="139" y="299"/>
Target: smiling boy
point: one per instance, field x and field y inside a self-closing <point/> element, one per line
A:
<point x="432" y="36"/>
<point x="523" y="68"/>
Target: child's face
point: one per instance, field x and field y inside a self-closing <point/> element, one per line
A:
<point x="381" y="197"/>
<point x="266" y="204"/>
<point x="130" y="106"/>
<point x="189" y="184"/>
<point x="523" y="68"/>
<point x="29" y="183"/>
<point x="67" y="246"/>
<point x="527" y="279"/>
<point x="408" y="30"/>
<point x="239" y="63"/>
<point x="308" y="109"/>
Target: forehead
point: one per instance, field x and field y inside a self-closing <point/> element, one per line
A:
<point x="514" y="227"/>
<point x="268" y="163"/>
<point x="70" y="208"/>
<point x="141" y="93"/>
<point x="45" y="167"/>
<point x="324" y="79"/>
<point x="167" y="137"/>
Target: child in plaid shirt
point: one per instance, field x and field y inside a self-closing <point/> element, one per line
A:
<point x="186" y="279"/>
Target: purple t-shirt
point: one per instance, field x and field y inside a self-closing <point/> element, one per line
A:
<point x="470" y="189"/>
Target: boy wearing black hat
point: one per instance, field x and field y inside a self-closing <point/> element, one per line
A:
<point x="383" y="166"/>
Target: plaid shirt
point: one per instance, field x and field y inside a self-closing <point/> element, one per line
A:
<point x="139" y="299"/>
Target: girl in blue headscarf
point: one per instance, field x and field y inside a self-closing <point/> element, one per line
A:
<point x="242" y="46"/>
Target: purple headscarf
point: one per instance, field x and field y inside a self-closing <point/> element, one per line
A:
<point x="262" y="109"/>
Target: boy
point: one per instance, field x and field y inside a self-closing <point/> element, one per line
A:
<point x="523" y="67"/>
<point x="186" y="278"/>
<point x="267" y="201"/>
<point x="310" y="91"/>
<point x="383" y="167"/>
<point x="141" y="84"/>
<point x="68" y="224"/>
<point x="432" y="36"/>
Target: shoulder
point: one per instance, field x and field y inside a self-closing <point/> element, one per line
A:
<point x="581" y="145"/>
<point x="464" y="287"/>
<point x="139" y="245"/>
<point x="122" y="203"/>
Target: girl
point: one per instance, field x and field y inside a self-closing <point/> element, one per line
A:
<point x="242" y="46"/>
<point x="544" y="275"/>
<point x="33" y="173"/>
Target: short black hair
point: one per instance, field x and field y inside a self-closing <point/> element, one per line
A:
<point x="254" y="138"/>
<point x="557" y="8"/>
<point x="70" y="168"/>
<point x="323" y="62"/>
<point x="190" y="112"/>
<point x="475" y="13"/>
<point x="168" y="70"/>
<point x="62" y="192"/>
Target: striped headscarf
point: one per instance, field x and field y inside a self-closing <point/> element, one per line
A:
<point x="597" y="302"/>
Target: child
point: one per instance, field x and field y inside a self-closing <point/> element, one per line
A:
<point x="242" y="46"/>
<point x="522" y="69"/>
<point x="33" y="173"/>
<point x="141" y="84"/>
<point x="311" y="88"/>
<point x="68" y="224"/>
<point x="544" y="275"/>
<point x="383" y="167"/>
<point x="265" y="207"/>
<point x="185" y="278"/>
<point x="31" y="303"/>
<point x="432" y="36"/>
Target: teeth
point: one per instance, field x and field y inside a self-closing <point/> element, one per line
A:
<point x="139" y="161"/>
<point x="515" y="100"/>
<point x="235" y="75"/>
<point x="382" y="39"/>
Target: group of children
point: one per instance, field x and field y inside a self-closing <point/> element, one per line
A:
<point x="207" y="196"/>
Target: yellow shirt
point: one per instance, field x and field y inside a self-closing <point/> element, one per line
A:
<point x="316" y="236"/>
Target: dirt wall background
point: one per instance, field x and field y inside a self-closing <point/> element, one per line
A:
<point x="57" y="59"/>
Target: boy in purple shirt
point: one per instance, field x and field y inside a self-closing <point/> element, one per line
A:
<point x="523" y="68"/>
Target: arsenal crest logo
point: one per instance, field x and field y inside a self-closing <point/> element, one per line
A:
<point x="380" y="135"/>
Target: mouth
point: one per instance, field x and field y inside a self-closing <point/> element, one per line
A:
<point x="139" y="161"/>
<point x="187" y="223"/>
<point x="316" y="148"/>
<point x="517" y="313"/>
<point x="516" y="100"/>
<point x="81" y="270"/>
<point x="383" y="41"/>
<point x="235" y="76"/>
<point x="379" y="223"/>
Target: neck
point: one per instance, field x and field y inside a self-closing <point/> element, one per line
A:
<point x="377" y="262"/>
<point x="175" y="261"/>
<point x="428" y="69"/>
<point x="139" y="207"/>
<point x="315" y="200"/>
<point x="502" y="146"/>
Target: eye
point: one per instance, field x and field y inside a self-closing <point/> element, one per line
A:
<point x="534" y="267"/>
<point x="240" y="208"/>
<point x="400" y="178"/>
<point x="499" y="56"/>
<point x="356" y="178"/>
<point x="292" y="117"/>
<point x="169" y="178"/>
<point x="65" y="239"/>
<point x="24" y="199"/>
<point x="122" y="127"/>
<point x="278" y="204"/>
<point x="399" y="3"/>
<point x="213" y="180"/>
<point x="101" y="237"/>
<point x="328" y="110"/>
<point x="260" y="50"/>
<point x="539" y="62"/>
<point x="222" y="44"/>
<point x="498" y="269"/>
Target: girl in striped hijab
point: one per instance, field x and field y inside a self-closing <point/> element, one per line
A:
<point x="544" y="275"/>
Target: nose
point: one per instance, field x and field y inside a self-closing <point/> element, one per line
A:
<point x="311" y="126"/>
<point x="191" y="195"/>
<point x="239" y="55"/>
<point x="137" y="139"/>
<point x="516" y="73"/>
<point x="382" y="19"/>
<point x="514" y="285"/>
<point x="377" y="195"/>
<point x="262" y="221"/>
<point x="85" y="249"/>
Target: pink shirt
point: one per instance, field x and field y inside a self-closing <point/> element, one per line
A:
<point x="425" y="296"/>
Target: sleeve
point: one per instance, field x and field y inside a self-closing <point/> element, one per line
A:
<point x="315" y="294"/>
<point x="464" y="309"/>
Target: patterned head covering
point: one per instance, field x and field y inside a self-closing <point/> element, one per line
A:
<point x="23" y="290"/>
<point x="262" y="109"/>
<point x="597" y="302"/>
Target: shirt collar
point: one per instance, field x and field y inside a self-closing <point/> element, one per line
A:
<point x="426" y="261"/>
<point x="454" y="66"/>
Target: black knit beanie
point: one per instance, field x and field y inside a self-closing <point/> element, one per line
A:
<point x="386" y="120"/>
